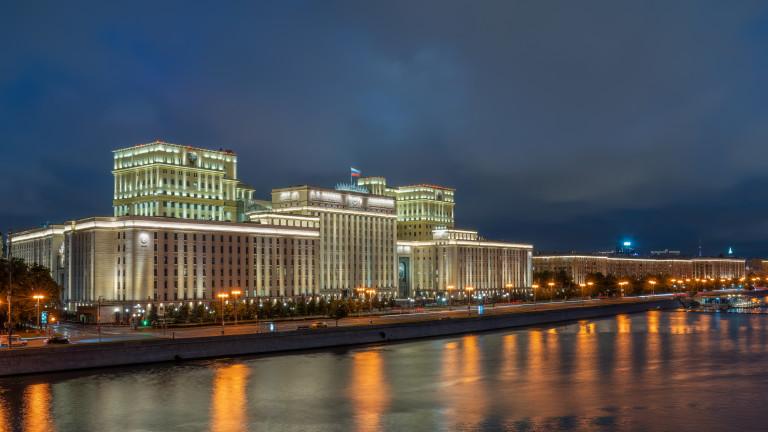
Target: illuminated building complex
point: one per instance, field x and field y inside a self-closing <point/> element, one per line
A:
<point x="170" y="180"/>
<point x="577" y="267"/>
<point x="185" y="228"/>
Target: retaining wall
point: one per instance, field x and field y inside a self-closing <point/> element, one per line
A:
<point x="96" y="355"/>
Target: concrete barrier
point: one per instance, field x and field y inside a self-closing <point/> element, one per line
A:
<point x="108" y="354"/>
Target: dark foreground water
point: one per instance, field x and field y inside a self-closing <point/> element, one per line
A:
<point x="656" y="371"/>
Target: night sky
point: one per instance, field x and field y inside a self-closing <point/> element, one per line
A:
<point x="571" y="125"/>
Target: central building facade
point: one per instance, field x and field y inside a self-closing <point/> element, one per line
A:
<point x="357" y="236"/>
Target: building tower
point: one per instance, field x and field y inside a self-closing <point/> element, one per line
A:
<point x="171" y="180"/>
<point x="421" y="208"/>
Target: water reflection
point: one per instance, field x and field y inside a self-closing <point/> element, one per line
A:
<point x="37" y="408"/>
<point x="229" y="399"/>
<point x="369" y="391"/>
<point x="651" y="371"/>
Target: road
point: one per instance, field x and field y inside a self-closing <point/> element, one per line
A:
<point x="78" y="333"/>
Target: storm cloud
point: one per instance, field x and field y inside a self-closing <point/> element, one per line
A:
<point x="566" y="124"/>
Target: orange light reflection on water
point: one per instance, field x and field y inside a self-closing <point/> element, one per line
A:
<point x="229" y="400"/>
<point x="370" y="390"/>
<point x="37" y="408"/>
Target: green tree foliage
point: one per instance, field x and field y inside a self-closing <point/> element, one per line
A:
<point x="28" y="280"/>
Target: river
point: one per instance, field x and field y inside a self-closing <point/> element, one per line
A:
<point x="654" y="371"/>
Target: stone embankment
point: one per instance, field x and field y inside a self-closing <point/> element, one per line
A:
<point x="108" y="354"/>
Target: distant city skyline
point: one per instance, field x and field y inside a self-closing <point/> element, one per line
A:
<point x="551" y="133"/>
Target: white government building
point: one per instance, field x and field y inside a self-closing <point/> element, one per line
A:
<point x="185" y="228"/>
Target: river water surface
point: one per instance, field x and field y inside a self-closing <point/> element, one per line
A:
<point x="654" y="371"/>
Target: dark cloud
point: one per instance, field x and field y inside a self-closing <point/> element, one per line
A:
<point x="567" y="124"/>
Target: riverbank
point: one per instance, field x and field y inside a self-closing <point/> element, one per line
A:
<point x="134" y="352"/>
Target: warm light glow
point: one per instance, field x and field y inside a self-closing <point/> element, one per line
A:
<point x="222" y="295"/>
<point x="370" y="392"/>
<point x="37" y="412"/>
<point x="38" y="296"/>
<point x="230" y="398"/>
<point x="236" y="292"/>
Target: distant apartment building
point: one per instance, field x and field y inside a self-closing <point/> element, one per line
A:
<point x="577" y="267"/>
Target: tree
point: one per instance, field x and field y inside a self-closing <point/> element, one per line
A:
<point x="28" y="280"/>
<point x="338" y="309"/>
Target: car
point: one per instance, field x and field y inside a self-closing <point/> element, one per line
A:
<point x="318" y="325"/>
<point x="16" y="340"/>
<point x="57" y="340"/>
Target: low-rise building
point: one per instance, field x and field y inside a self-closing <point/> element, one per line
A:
<point x="456" y="260"/>
<point x="577" y="267"/>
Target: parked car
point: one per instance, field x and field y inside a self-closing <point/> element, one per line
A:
<point x="57" y="340"/>
<point x="16" y="340"/>
<point x="318" y="325"/>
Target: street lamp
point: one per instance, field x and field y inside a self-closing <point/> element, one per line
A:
<point x="653" y="286"/>
<point x="622" y="284"/>
<point x="236" y="293"/>
<point x="582" y="285"/>
<point x="533" y="288"/>
<point x="509" y="287"/>
<point x="469" y="290"/>
<point x="450" y="288"/>
<point x="589" y="284"/>
<point x="38" y="297"/>
<point x="222" y="296"/>
<point x="551" y="286"/>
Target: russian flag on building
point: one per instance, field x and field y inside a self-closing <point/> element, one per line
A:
<point x="354" y="172"/>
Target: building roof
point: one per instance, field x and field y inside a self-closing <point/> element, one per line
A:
<point x="158" y="142"/>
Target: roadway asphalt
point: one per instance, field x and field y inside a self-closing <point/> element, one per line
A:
<point x="78" y="333"/>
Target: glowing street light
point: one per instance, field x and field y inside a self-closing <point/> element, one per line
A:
<point x="622" y="284"/>
<point x="450" y="288"/>
<point x="653" y="286"/>
<point x="222" y="296"/>
<point x="534" y="287"/>
<point x="236" y="293"/>
<point x="38" y="297"/>
<point x="468" y="289"/>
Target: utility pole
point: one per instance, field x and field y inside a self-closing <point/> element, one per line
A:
<point x="10" y="281"/>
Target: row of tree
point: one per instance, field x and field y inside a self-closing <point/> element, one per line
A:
<point x="557" y="285"/>
<point x="25" y="282"/>
<point x="267" y="309"/>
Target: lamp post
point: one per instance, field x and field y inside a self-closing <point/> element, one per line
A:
<point x="222" y="296"/>
<point x="37" y="298"/>
<point x="589" y="284"/>
<point x="236" y="293"/>
<point x="533" y="288"/>
<point x="621" y="285"/>
<point x="582" y="285"/>
<point x="653" y="286"/>
<point x="450" y="288"/>
<point x="468" y="290"/>
<point x="10" y="288"/>
<point x="551" y="286"/>
<point x="509" y="287"/>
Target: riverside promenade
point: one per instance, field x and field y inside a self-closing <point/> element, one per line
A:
<point x="209" y="342"/>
